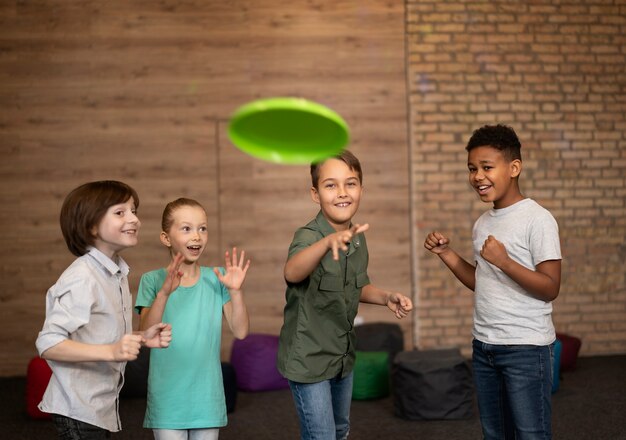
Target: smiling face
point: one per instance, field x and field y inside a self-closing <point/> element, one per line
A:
<point x="338" y="193"/>
<point x="118" y="229"/>
<point x="493" y="177"/>
<point x="188" y="233"/>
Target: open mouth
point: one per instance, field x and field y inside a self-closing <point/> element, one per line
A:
<point x="342" y="204"/>
<point x="482" y="189"/>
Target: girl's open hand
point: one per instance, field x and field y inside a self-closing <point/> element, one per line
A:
<point x="235" y="270"/>
<point x="172" y="279"/>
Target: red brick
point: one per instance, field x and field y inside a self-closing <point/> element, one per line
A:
<point x="555" y="73"/>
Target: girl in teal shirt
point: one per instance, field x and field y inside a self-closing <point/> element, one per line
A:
<point x="185" y="386"/>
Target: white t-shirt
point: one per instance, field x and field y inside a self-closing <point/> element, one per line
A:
<point x="504" y="313"/>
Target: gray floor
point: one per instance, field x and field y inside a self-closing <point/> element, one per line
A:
<point x="591" y="404"/>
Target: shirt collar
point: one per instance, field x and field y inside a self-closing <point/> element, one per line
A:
<point x="108" y="264"/>
<point x="323" y="224"/>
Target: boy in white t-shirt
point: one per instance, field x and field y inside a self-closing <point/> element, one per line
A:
<point x="516" y="276"/>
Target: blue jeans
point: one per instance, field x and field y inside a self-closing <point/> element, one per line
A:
<point x="72" y="429"/>
<point x="323" y="408"/>
<point x="514" y="388"/>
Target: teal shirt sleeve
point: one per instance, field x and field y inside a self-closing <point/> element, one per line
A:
<point x="149" y="285"/>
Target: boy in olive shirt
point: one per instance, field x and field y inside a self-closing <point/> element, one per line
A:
<point x="326" y="275"/>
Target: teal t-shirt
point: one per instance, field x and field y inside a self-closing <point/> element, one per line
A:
<point x="185" y="386"/>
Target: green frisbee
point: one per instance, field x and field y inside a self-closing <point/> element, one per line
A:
<point x="288" y="130"/>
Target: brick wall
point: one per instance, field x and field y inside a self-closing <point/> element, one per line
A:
<point x="556" y="72"/>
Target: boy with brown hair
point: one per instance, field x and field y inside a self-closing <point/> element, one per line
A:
<point x="326" y="275"/>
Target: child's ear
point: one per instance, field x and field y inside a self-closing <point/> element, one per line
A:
<point x="165" y="239"/>
<point x="516" y="168"/>
<point x="315" y="195"/>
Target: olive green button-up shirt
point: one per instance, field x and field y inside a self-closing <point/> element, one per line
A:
<point x="317" y="340"/>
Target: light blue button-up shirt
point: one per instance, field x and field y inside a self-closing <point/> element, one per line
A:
<point x="90" y="303"/>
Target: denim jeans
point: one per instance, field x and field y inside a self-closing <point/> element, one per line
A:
<point x="323" y="408"/>
<point x="514" y="388"/>
<point x="186" y="434"/>
<point x="71" y="429"/>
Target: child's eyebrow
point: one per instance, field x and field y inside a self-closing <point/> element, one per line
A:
<point x="334" y="179"/>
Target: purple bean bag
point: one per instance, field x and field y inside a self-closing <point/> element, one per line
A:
<point x="254" y="361"/>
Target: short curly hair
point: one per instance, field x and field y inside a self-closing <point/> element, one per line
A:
<point x="501" y="137"/>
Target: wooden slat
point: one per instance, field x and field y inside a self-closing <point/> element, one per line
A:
<point x="141" y="91"/>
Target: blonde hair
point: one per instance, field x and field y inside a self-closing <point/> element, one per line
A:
<point x="168" y="213"/>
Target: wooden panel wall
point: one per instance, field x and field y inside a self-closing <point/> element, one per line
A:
<point x="141" y="91"/>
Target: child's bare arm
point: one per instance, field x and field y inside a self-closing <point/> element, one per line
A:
<point x="543" y="283"/>
<point x="236" y="314"/>
<point x="235" y="310"/>
<point x="302" y="264"/>
<point x="126" y="349"/>
<point x="399" y="304"/>
<point x="154" y="314"/>
<point x="437" y="243"/>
